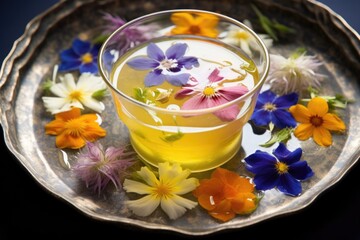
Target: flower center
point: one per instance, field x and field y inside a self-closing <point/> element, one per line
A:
<point x="86" y="58"/>
<point x="316" y="121"/>
<point x="209" y="91"/>
<point x="242" y="35"/>
<point x="162" y="190"/>
<point x="168" y="63"/>
<point x="74" y="127"/>
<point x="194" y="29"/>
<point x="269" y="107"/>
<point x="76" y="95"/>
<point x="281" y="167"/>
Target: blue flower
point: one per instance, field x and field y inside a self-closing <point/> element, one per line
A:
<point x="165" y="65"/>
<point x="82" y="55"/>
<point x="283" y="172"/>
<point x="270" y="108"/>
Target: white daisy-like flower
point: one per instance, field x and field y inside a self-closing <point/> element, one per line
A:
<point x="239" y="37"/>
<point x="293" y="74"/>
<point x="80" y="94"/>
<point x="164" y="191"/>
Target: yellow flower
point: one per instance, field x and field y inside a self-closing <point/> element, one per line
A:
<point x="316" y="122"/>
<point x="163" y="191"/>
<point x="202" y="24"/>
<point x="73" y="130"/>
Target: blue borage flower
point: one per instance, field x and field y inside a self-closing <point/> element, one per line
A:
<point x="283" y="172"/>
<point x="165" y="65"/>
<point x="81" y="56"/>
<point x="273" y="109"/>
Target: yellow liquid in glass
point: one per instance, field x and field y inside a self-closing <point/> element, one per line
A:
<point x="197" y="142"/>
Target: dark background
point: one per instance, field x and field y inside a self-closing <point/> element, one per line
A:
<point x="27" y="209"/>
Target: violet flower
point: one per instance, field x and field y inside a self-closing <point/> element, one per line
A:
<point x="97" y="167"/>
<point x="164" y="65"/>
<point x="81" y="56"/>
<point x="212" y="94"/>
<point x="283" y="172"/>
<point x="271" y="108"/>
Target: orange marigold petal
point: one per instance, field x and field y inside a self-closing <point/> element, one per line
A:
<point x="244" y="203"/>
<point x="300" y="113"/>
<point x="318" y="106"/>
<point x="333" y="122"/>
<point x="69" y="141"/>
<point x="322" y="136"/>
<point x="223" y="211"/>
<point x="304" y="131"/>
<point x="224" y="217"/>
<point x="54" y="127"/>
<point x="73" y="113"/>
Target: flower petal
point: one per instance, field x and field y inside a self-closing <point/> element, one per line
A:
<point x="81" y="47"/>
<point x="266" y="97"/>
<point x="136" y="187"/>
<point x="93" y="104"/>
<point x="144" y="206"/>
<point x="188" y="62"/>
<point x="304" y="131"/>
<point x="148" y="176"/>
<point x="322" y="136"/>
<point x="69" y="55"/>
<point x="176" y="51"/>
<point x="282" y="119"/>
<point x="266" y="181"/>
<point x="318" y="106"/>
<point x="142" y="63"/>
<point x="176" y="206"/>
<point x="300" y="113"/>
<point x="228" y="114"/>
<point x="234" y="92"/>
<point x="69" y="66"/>
<point x="88" y="68"/>
<point x="261" y="117"/>
<point x="300" y="170"/>
<point x="286" y="101"/>
<point x="214" y="76"/>
<point x="178" y="79"/>
<point x="154" y="78"/>
<point x="286" y="156"/>
<point x="155" y="53"/>
<point x="333" y="122"/>
<point x="289" y="185"/>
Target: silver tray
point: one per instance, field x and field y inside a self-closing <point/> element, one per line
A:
<point x="31" y="61"/>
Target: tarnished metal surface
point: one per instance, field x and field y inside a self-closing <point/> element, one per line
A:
<point x="31" y="61"/>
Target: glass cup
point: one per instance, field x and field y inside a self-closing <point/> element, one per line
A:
<point x="183" y="85"/>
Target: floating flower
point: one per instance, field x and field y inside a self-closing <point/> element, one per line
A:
<point x="274" y="109"/>
<point x="283" y="172"/>
<point x="316" y="122"/>
<point x="165" y="65"/>
<point x="73" y="130"/>
<point x="226" y="194"/>
<point x="97" y="167"/>
<point x="163" y="191"/>
<point x="213" y="94"/>
<point x="294" y="74"/>
<point x="240" y="37"/>
<point x="70" y="94"/>
<point x="202" y="24"/>
<point x="81" y="56"/>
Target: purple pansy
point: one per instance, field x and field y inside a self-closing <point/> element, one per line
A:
<point x="283" y="172"/>
<point x="271" y="108"/>
<point x="97" y="167"/>
<point x="165" y="66"/>
<point x="81" y="56"/>
<point x="212" y="94"/>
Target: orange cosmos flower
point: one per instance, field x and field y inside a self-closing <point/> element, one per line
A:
<point x="73" y="130"/>
<point x="316" y="122"/>
<point x="202" y="24"/>
<point x="226" y="194"/>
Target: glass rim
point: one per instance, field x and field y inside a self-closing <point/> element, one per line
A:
<point x="193" y="111"/>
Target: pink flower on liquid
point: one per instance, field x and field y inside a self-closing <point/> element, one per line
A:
<point x="211" y="94"/>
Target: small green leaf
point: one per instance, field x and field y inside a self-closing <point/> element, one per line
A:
<point x="98" y="95"/>
<point x="172" y="137"/>
<point x="47" y="85"/>
<point x="280" y="136"/>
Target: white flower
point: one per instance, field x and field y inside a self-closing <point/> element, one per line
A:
<point x="293" y="74"/>
<point x="239" y="37"/>
<point x="70" y="94"/>
<point x="164" y="191"/>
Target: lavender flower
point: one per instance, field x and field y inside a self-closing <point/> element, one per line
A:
<point x="164" y="65"/>
<point x="97" y="167"/>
